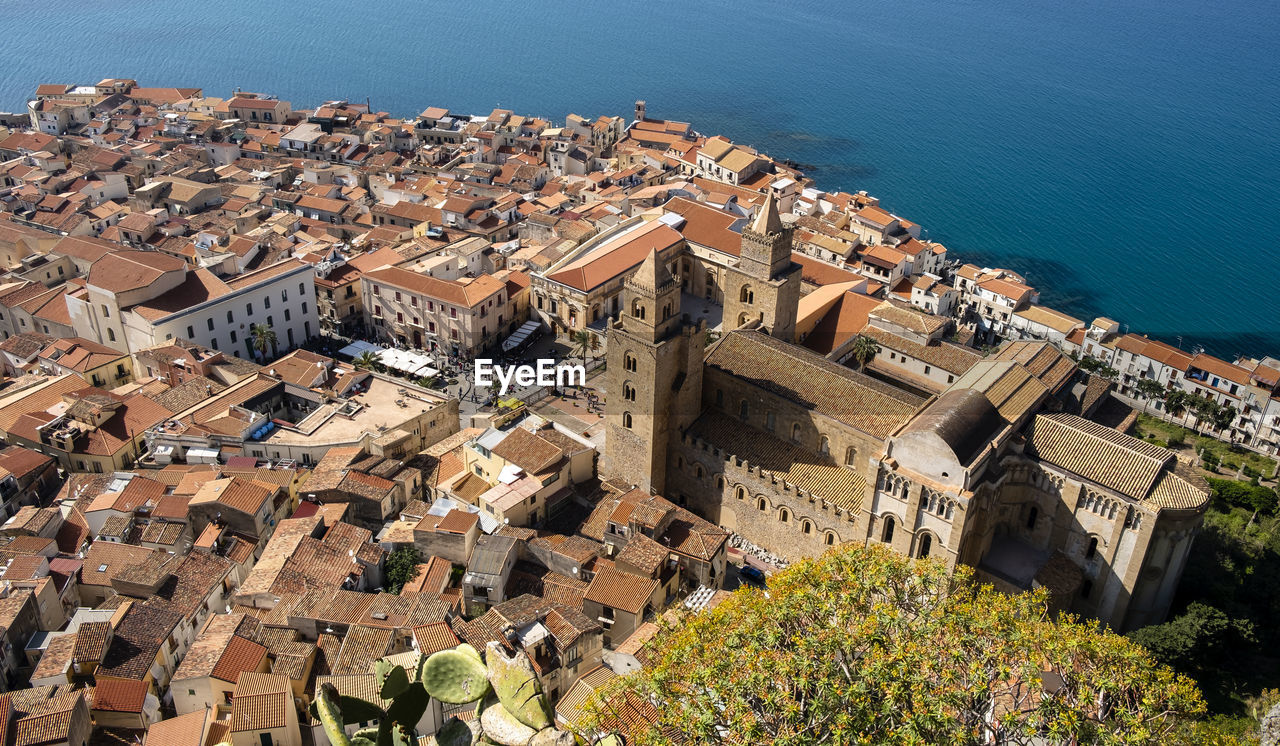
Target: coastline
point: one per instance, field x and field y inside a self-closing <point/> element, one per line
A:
<point x="465" y="148"/>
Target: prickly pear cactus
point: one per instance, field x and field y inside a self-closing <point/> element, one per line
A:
<point x="517" y="687"/>
<point x="511" y="709"/>
<point x="455" y="676"/>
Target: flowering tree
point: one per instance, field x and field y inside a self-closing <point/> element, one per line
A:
<point x="866" y="646"/>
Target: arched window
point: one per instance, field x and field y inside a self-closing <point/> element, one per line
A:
<point x="628" y="391"/>
<point x="626" y="420"/>
<point x="926" y="544"/>
<point x="831" y="539"/>
<point x="740" y="492"/>
<point x="1093" y="548"/>
<point x="1032" y="515"/>
<point x="719" y="397"/>
<point x="784" y="515"/>
<point x="850" y="456"/>
<point x="761" y="504"/>
<point x="887" y="534"/>
<point x="795" y="432"/>
<point x="637" y="309"/>
<point x="666" y="312"/>
<point x="698" y="472"/>
<point x="824" y="445"/>
<point x="743" y="410"/>
<point x="629" y="362"/>
<point x="745" y="295"/>
<point x="806" y="526"/>
<point x="679" y="462"/>
<point x="720" y="485"/>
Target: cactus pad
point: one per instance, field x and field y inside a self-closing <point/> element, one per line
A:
<point x="455" y="677"/>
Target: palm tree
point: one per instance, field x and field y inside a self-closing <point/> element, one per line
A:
<point x="864" y="350"/>
<point x="585" y="342"/>
<point x="366" y="360"/>
<point x="263" y="338"/>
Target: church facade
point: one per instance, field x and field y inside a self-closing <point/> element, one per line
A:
<point x="798" y="453"/>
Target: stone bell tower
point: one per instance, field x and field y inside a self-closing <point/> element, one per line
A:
<point x="654" y="376"/>
<point x="765" y="285"/>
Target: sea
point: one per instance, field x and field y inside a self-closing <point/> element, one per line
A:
<point x="1124" y="155"/>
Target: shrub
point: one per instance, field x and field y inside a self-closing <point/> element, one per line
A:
<point x="1230" y="493"/>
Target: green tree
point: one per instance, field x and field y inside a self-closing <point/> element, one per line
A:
<point x="1232" y="567"/>
<point x="366" y="360"/>
<point x="866" y="646"/>
<point x="584" y="342"/>
<point x="1223" y="416"/>
<point x="1196" y="640"/>
<point x="400" y="568"/>
<point x="1228" y="493"/>
<point x="1148" y="389"/>
<point x="864" y="350"/>
<point x="1097" y="367"/>
<point x="263" y="338"/>
<point x="1204" y="407"/>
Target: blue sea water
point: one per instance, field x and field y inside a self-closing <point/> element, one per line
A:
<point x="1123" y="154"/>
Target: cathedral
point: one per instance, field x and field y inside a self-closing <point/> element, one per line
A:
<point x="1002" y="471"/>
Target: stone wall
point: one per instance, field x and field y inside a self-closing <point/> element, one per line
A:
<point x="730" y="492"/>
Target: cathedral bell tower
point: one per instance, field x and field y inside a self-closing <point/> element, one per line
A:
<point x="654" y="379"/>
<point x="765" y="285"/>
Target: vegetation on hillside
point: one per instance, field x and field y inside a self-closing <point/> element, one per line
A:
<point x="1222" y="629"/>
<point x="1229" y="460"/>
<point x="866" y="646"/>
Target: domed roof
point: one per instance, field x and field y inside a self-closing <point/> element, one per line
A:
<point x="963" y="418"/>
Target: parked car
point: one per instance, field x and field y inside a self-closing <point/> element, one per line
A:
<point x="752" y="575"/>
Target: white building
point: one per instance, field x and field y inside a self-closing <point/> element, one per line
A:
<point x="138" y="299"/>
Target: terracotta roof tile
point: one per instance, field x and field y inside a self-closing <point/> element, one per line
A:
<point x="435" y="637"/>
<point x="117" y="695"/>
<point x="239" y="656"/>
<point x="621" y="590"/>
<point x="814" y="382"/>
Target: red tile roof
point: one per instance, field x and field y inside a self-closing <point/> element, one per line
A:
<point x="119" y="695"/>
<point x="239" y="656"/>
